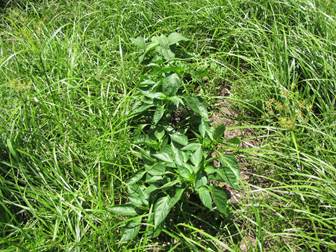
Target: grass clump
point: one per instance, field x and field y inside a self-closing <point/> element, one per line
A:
<point x="68" y="78"/>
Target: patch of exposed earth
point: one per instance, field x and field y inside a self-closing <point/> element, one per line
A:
<point x="226" y="114"/>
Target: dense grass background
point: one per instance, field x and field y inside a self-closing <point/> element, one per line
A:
<point x="67" y="70"/>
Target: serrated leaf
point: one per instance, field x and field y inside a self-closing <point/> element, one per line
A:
<point x="131" y="230"/>
<point x="178" y="194"/>
<point x="175" y="37"/>
<point x="219" y="196"/>
<point x="197" y="157"/>
<point x="197" y="106"/>
<point x="124" y="210"/>
<point x="229" y="171"/>
<point x="158" y="114"/>
<point x="219" y="132"/>
<point x="179" y="138"/>
<point x="161" y="210"/>
<point x="171" y="84"/>
<point x="205" y="196"/>
<point x="164" y="157"/>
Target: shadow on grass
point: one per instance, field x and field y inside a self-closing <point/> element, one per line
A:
<point x="193" y="220"/>
<point x="4" y="3"/>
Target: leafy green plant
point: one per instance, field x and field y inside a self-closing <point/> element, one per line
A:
<point x="176" y="144"/>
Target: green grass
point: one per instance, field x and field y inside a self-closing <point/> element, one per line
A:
<point x="67" y="73"/>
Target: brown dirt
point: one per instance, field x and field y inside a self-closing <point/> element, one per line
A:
<point x="227" y="115"/>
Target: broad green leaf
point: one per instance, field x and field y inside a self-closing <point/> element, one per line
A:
<point x="142" y="57"/>
<point x="176" y="100"/>
<point x="157" y="169"/>
<point x="142" y="153"/>
<point x="162" y="47"/>
<point x="149" y="47"/>
<point x="136" y="201"/>
<point x="202" y="128"/>
<point x="139" y="42"/>
<point x="166" y="53"/>
<point x="147" y="83"/>
<point x="209" y="170"/>
<point x="197" y="106"/>
<point x="158" y="114"/>
<point x="205" y="197"/>
<point x="184" y="173"/>
<point x="197" y="157"/>
<point x="156" y="232"/>
<point x="179" y="138"/>
<point x="151" y="189"/>
<point x="171" y="84"/>
<point x="153" y="95"/>
<point x="178" y="194"/>
<point x="131" y="230"/>
<point x="190" y="168"/>
<point x="201" y="181"/>
<point x="234" y="140"/>
<point x="124" y="210"/>
<point x="152" y="179"/>
<point x="175" y="37"/>
<point x="161" y="210"/>
<point x="192" y="147"/>
<point x="186" y="157"/>
<point x="229" y="171"/>
<point x="164" y="157"/>
<point x="137" y="195"/>
<point x="170" y="184"/>
<point x="162" y="40"/>
<point x="159" y="134"/>
<point x="141" y="109"/>
<point x="178" y="155"/>
<point x="219" y="132"/>
<point x="219" y="196"/>
<point x="136" y="178"/>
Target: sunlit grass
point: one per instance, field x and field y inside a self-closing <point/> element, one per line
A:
<point x="67" y="70"/>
